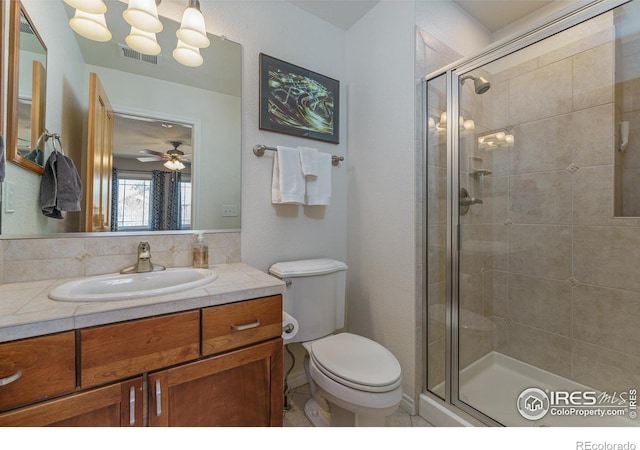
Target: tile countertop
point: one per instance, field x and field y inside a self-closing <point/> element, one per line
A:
<point x="27" y="311"/>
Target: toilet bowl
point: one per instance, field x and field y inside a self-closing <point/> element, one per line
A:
<point x="354" y="381"/>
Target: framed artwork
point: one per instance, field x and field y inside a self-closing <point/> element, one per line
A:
<point x="298" y="101"/>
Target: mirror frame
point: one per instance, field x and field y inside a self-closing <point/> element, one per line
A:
<point x="2" y="14"/>
<point x="13" y="78"/>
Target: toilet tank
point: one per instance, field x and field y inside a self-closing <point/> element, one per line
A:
<point x="314" y="296"/>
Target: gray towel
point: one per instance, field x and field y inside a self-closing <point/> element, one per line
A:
<point x="60" y="186"/>
<point x="2" y="160"/>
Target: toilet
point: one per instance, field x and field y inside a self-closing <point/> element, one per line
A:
<point x="354" y="381"/>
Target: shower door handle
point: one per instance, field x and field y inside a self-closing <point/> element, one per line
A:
<point x="467" y="201"/>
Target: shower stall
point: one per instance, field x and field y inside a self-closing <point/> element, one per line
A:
<point x="532" y="226"/>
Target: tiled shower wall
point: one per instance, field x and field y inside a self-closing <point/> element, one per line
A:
<point x="67" y="257"/>
<point x="560" y="272"/>
<point x="548" y="274"/>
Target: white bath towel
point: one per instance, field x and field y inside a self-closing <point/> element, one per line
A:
<point x="319" y="188"/>
<point x="287" y="183"/>
<point x="309" y="161"/>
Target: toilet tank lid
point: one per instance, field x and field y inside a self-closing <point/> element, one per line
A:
<point x="306" y="267"/>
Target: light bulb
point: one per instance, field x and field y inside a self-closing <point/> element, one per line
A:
<point x="143" y="42"/>
<point x="91" y="26"/>
<point x="509" y="139"/>
<point x="143" y="14"/>
<point x="469" y="125"/>
<point x="88" y="6"/>
<point x="187" y="55"/>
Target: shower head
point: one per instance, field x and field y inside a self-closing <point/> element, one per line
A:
<point x="480" y="85"/>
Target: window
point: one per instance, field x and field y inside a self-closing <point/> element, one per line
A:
<point x="185" y="205"/>
<point x="134" y="203"/>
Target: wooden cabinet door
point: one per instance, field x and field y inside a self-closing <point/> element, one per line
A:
<point x="36" y="369"/>
<point x="239" y="388"/>
<point x="111" y="406"/>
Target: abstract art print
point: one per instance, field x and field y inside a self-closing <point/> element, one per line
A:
<point x="298" y="101"/>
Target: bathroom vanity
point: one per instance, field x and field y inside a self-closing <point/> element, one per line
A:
<point x="210" y="356"/>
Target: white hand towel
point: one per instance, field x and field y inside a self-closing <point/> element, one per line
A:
<point x="309" y="161"/>
<point x="287" y="183"/>
<point x="319" y="188"/>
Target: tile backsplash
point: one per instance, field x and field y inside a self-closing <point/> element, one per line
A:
<point x="67" y="257"/>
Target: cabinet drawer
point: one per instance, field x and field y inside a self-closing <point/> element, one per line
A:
<point x="113" y="352"/>
<point x="47" y="365"/>
<point x="238" y="324"/>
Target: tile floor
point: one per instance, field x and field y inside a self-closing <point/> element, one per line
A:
<point x="298" y="397"/>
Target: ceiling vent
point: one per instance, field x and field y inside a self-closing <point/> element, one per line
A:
<point x="129" y="53"/>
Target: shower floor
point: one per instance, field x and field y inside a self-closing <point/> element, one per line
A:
<point x="493" y="383"/>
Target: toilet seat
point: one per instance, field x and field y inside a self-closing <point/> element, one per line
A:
<point x="356" y="362"/>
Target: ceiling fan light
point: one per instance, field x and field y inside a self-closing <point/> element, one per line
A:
<point x="143" y="42"/>
<point x="90" y="26"/>
<point x="89" y="6"/>
<point x="192" y="28"/>
<point x="187" y="55"/>
<point x="143" y="14"/>
<point x="174" y="164"/>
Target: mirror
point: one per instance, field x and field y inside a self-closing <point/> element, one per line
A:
<point x="27" y="91"/>
<point x="206" y="98"/>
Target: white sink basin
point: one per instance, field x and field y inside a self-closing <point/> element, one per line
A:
<point x="131" y="286"/>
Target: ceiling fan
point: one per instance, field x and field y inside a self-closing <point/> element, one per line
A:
<point x="173" y="158"/>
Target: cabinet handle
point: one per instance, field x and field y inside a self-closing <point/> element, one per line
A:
<point x="11" y="378"/>
<point x="248" y="326"/>
<point x="132" y="406"/>
<point x="158" y="399"/>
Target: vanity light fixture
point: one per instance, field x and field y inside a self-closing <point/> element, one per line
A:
<point x="89" y="21"/>
<point x="88" y="6"/>
<point x="143" y="15"/>
<point x="495" y="140"/>
<point x="441" y="126"/>
<point x="90" y="26"/>
<point x="143" y="41"/>
<point x="192" y="28"/>
<point x="187" y="55"/>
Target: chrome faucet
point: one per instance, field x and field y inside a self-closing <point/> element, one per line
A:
<point x="144" y="263"/>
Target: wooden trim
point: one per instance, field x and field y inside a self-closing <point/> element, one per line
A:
<point x="277" y="384"/>
<point x="11" y="143"/>
<point x="3" y="6"/>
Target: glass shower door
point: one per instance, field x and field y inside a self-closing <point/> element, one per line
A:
<point x="548" y="294"/>
<point x="436" y="235"/>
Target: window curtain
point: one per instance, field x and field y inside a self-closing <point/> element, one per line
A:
<point x="114" y="199"/>
<point x="157" y="196"/>
<point x="174" y="202"/>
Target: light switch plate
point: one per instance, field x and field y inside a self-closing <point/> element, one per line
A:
<point x="229" y="210"/>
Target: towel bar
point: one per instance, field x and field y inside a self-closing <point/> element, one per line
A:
<point x="259" y="150"/>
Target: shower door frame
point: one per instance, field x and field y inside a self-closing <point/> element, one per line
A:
<point x="554" y="24"/>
